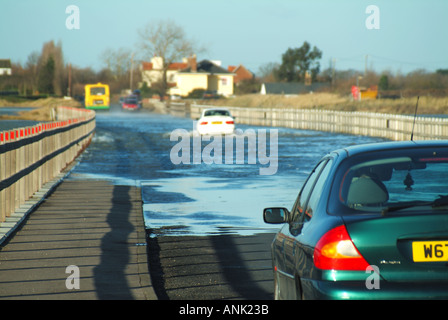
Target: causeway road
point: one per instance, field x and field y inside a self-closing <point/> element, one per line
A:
<point x="85" y="241"/>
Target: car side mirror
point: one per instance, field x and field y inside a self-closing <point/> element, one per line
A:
<point x="275" y="215"/>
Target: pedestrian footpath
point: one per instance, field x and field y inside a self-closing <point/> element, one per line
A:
<point x="86" y="240"/>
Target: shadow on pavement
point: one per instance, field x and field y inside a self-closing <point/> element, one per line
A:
<point x="109" y="276"/>
<point x="218" y="267"/>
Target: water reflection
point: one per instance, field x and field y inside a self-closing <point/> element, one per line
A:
<point x="229" y="198"/>
<point x="207" y="206"/>
<point x="200" y="199"/>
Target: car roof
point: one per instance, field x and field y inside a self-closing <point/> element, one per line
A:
<point x="391" y="145"/>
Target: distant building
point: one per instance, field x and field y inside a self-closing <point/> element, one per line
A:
<point x="205" y="75"/>
<point x="291" y="88"/>
<point x="152" y="71"/>
<point x="183" y="77"/>
<point x="5" y="67"/>
<point x="241" y="73"/>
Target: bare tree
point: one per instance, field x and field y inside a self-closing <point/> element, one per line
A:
<point x="166" y="40"/>
<point x="117" y="61"/>
<point x="267" y="71"/>
<point x="31" y="66"/>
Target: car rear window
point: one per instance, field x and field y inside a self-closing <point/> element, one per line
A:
<point x="410" y="180"/>
<point x="210" y="113"/>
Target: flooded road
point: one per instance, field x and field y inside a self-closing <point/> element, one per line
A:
<point x="200" y="198"/>
<point x="206" y="239"/>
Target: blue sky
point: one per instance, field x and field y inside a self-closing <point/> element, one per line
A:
<point x="412" y="33"/>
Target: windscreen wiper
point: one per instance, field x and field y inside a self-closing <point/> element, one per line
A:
<point x="441" y="201"/>
<point x="405" y="206"/>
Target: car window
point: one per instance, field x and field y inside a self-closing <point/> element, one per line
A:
<point x="97" y="91"/>
<point x="414" y="180"/>
<point x="210" y="113"/>
<point x="317" y="191"/>
<point x="298" y="209"/>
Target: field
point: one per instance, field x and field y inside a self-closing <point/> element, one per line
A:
<point x="42" y="111"/>
<point x="330" y="101"/>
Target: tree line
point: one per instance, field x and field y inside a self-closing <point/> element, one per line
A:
<point x="46" y="72"/>
<point x="297" y="62"/>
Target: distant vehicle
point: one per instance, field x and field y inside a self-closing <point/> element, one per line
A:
<point x="130" y="103"/>
<point x="210" y="94"/>
<point x="370" y="222"/>
<point x="215" y="121"/>
<point x="97" y="96"/>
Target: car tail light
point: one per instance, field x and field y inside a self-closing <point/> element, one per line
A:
<point x="336" y="251"/>
<point x="203" y="123"/>
<point x="229" y="122"/>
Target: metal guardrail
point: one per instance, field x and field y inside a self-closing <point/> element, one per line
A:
<point x="32" y="156"/>
<point x="389" y="126"/>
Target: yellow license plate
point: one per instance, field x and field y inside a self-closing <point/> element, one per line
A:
<point x="427" y="251"/>
<point x="217" y="122"/>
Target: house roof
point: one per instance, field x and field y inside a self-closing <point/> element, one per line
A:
<point x="206" y="66"/>
<point x="241" y="73"/>
<point x="5" y="63"/>
<point x="239" y="68"/>
<point x="292" y="87"/>
<point x="177" y="66"/>
<point x="148" y="66"/>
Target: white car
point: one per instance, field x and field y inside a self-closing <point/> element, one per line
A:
<point x="215" y="121"/>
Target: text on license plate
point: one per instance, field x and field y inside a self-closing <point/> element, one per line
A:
<point x="426" y="251"/>
<point x="217" y="122"/>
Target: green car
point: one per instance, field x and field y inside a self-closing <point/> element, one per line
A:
<point x="370" y="222"/>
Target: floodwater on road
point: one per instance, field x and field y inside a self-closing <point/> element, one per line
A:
<point x="6" y="125"/>
<point x="194" y="197"/>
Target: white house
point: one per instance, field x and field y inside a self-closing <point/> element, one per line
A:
<point x="5" y="67"/>
<point x="183" y="77"/>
